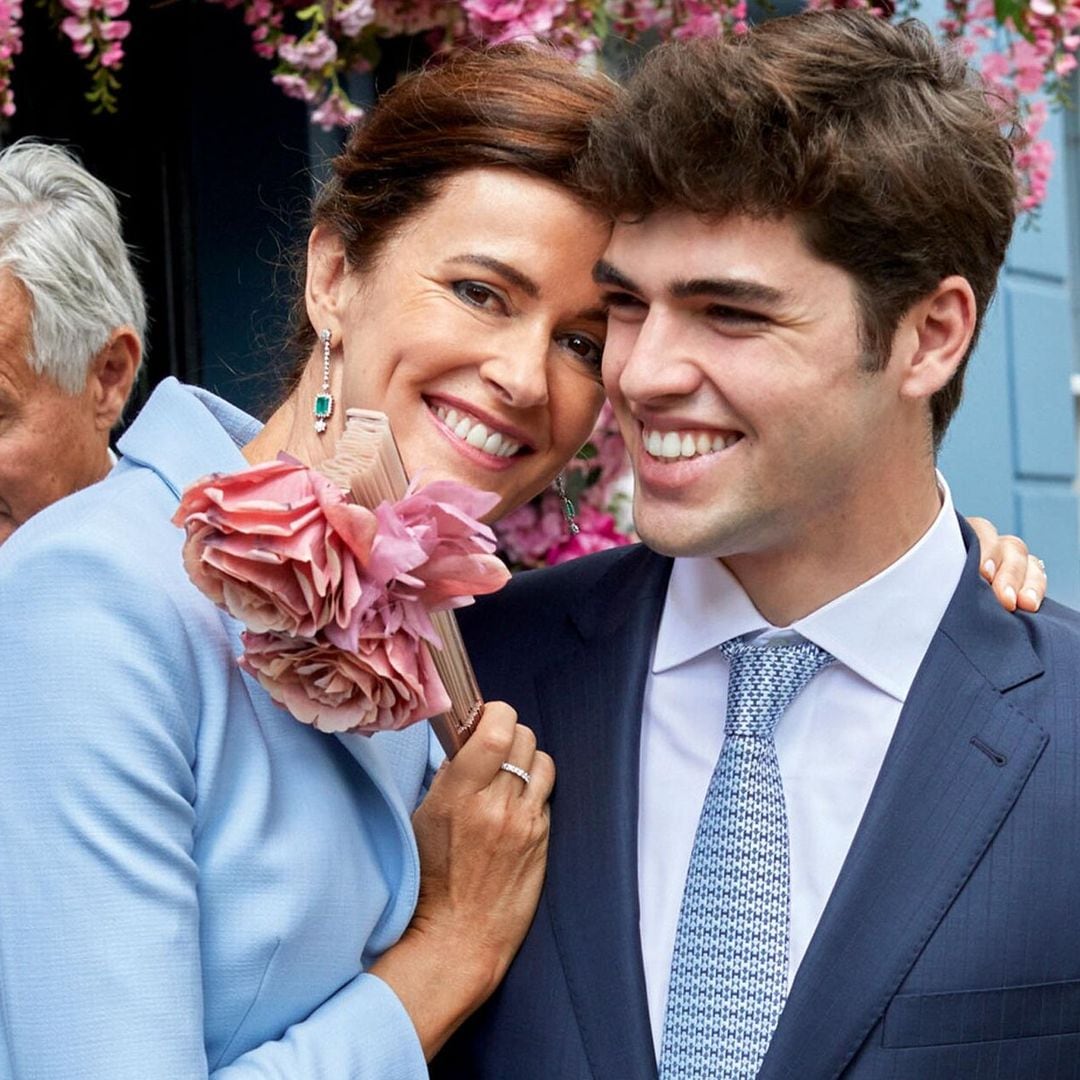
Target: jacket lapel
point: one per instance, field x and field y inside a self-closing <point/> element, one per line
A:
<point x="957" y="763"/>
<point x="590" y="708"/>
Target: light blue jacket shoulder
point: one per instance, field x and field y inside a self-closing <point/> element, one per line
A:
<point x="193" y="882"/>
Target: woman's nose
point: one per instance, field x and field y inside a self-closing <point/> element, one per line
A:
<point x="518" y="370"/>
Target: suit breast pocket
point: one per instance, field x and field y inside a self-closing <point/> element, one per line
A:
<point x="1013" y="1012"/>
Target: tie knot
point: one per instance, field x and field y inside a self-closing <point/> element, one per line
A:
<point x="764" y="681"/>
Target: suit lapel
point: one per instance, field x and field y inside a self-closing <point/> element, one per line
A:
<point x="959" y="759"/>
<point x="590" y="707"/>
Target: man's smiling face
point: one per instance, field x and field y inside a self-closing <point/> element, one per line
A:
<point x="733" y="363"/>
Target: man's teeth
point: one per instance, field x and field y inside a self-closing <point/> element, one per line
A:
<point x="672" y="445"/>
<point x="470" y="430"/>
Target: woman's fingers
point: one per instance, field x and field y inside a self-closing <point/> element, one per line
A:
<point x="477" y="763"/>
<point x="1018" y="578"/>
<point x="1033" y="589"/>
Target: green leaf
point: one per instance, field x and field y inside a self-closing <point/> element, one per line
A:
<point x="1010" y="9"/>
<point x="588" y="452"/>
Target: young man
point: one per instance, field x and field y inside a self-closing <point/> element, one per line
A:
<point x="818" y="805"/>
<point x="72" y="321"/>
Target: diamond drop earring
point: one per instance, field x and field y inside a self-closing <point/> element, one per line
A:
<point x="324" y="400"/>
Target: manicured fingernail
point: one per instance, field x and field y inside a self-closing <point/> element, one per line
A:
<point x="989" y="567"/>
<point x="1010" y="595"/>
<point x="1033" y="596"/>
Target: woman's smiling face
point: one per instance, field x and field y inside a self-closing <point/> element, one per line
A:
<point x="479" y="331"/>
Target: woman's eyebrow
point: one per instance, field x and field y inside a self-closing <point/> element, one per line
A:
<point x="514" y="276"/>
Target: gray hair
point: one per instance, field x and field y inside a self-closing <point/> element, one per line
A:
<point x="60" y="237"/>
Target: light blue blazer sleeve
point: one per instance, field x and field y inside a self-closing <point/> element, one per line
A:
<point x="192" y="882"/>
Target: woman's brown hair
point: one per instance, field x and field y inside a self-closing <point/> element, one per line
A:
<point x="515" y="106"/>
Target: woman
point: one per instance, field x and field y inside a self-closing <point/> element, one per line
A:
<point x="194" y="883"/>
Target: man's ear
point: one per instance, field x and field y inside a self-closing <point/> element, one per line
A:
<point x="328" y="284"/>
<point x="112" y="375"/>
<point x="933" y="338"/>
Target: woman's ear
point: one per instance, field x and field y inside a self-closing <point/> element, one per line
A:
<point x="938" y="329"/>
<point x="328" y="285"/>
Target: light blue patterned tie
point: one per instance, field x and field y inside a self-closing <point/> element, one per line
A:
<point x="729" y="965"/>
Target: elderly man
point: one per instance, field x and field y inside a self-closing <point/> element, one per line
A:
<point x="72" y="320"/>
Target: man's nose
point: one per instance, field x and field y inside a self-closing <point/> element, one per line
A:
<point x="660" y="363"/>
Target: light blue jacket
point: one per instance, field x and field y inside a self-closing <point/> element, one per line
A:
<point x="191" y="882"/>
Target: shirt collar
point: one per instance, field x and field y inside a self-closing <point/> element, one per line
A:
<point x="880" y="630"/>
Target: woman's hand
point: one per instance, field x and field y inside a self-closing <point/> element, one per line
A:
<point x="482" y="834"/>
<point x="1018" y="578"/>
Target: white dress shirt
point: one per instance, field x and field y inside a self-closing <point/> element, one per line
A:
<point x="830" y="742"/>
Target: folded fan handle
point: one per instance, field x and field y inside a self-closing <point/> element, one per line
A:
<point x="454" y="727"/>
<point x="367" y="462"/>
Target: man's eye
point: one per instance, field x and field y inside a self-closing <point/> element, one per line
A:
<point x="477" y="295"/>
<point x="736" y="315"/>
<point x="584" y="347"/>
<point x="621" y="300"/>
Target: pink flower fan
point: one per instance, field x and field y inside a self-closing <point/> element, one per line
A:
<point x="344" y="579"/>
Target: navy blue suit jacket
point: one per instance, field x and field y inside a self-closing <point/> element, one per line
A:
<point x="950" y="947"/>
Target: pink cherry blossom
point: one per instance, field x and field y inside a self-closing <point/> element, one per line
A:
<point x="336" y="111"/>
<point x="496" y="21"/>
<point x="75" y="29"/>
<point x="295" y="86"/>
<point x="115" y="31"/>
<point x="598" y="532"/>
<point x="313" y="54"/>
<point x="355" y="16"/>
<point x="411" y="16"/>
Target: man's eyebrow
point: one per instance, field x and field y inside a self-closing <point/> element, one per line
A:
<point x="509" y="273"/>
<point x="737" y="290"/>
<point x="606" y="274"/>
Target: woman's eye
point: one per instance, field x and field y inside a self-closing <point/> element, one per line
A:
<point x="477" y="295"/>
<point x="584" y="347"/>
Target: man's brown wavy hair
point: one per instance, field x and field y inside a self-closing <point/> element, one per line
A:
<point x="882" y="145"/>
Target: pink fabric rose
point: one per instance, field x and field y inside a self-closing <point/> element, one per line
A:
<point x="385" y="682"/>
<point x="453" y="553"/>
<point x="277" y="547"/>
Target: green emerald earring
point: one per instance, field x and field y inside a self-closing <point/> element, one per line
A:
<point x="324" y="400"/>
